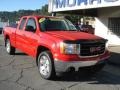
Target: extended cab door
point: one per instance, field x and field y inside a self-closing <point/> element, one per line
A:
<point x="20" y="34"/>
<point x="30" y="36"/>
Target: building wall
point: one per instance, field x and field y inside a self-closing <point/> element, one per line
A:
<point x="101" y="25"/>
<point x="3" y="24"/>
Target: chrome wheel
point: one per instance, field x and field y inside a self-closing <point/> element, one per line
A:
<point x="44" y="66"/>
<point x="8" y="46"/>
<point x="10" y="49"/>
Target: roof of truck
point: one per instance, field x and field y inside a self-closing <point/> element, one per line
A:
<point x="39" y="16"/>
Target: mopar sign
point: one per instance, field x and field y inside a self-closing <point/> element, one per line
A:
<point x="72" y="3"/>
<point x="63" y="5"/>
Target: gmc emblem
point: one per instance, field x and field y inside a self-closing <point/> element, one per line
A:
<point x="94" y="49"/>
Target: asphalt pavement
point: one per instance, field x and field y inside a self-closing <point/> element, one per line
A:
<point x="115" y="55"/>
<point x="19" y="72"/>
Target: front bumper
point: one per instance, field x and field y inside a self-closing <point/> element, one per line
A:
<point x="63" y="66"/>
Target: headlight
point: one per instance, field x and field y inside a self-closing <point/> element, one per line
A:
<point x="69" y="48"/>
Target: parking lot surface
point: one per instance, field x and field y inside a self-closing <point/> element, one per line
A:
<point x="19" y="72"/>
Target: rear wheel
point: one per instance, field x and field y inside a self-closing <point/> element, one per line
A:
<point x="46" y="65"/>
<point x="10" y="49"/>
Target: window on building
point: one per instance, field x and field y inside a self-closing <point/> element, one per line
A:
<point x="114" y="25"/>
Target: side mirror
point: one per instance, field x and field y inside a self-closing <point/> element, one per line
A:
<point x="30" y="28"/>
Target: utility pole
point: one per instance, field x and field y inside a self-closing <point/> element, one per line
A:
<point x="8" y="22"/>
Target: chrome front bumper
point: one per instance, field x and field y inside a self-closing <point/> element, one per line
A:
<point x="62" y="66"/>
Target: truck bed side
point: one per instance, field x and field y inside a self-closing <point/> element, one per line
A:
<point x="9" y="33"/>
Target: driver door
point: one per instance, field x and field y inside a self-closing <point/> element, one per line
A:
<point x="30" y="36"/>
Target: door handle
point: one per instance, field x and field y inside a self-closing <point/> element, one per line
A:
<point x="24" y="35"/>
<point x="40" y="36"/>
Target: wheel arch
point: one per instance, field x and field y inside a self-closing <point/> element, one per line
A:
<point x="39" y="50"/>
<point x="6" y="37"/>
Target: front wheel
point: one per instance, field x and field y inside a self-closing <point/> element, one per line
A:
<point x="46" y="65"/>
<point x="10" y="49"/>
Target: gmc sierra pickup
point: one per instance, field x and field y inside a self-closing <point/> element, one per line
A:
<point x="56" y="44"/>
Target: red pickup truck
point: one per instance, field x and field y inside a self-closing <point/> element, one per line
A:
<point x="56" y="44"/>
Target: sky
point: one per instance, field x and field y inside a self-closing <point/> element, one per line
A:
<point x="15" y="5"/>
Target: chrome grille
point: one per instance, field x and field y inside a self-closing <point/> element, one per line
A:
<point x="92" y="48"/>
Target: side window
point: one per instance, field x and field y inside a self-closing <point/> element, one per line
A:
<point x="31" y="25"/>
<point x="22" y="23"/>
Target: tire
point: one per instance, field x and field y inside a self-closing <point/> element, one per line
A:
<point x="46" y="65"/>
<point x="96" y="68"/>
<point x="10" y="49"/>
<point x="0" y="32"/>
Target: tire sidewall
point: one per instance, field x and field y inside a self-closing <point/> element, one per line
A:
<point x="11" y="48"/>
<point x="45" y="53"/>
<point x="97" y="68"/>
<point x="8" y="41"/>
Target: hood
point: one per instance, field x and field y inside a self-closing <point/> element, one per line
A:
<point x="72" y="35"/>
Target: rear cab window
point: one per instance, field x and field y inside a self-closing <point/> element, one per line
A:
<point x="22" y="23"/>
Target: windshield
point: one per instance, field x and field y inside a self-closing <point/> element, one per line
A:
<point x="55" y="24"/>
